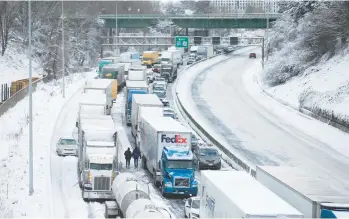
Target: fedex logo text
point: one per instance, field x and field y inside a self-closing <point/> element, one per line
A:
<point x="176" y="139"/>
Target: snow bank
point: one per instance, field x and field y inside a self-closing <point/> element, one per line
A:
<point x="284" y="108"/>
<point x="14" y="66"/>
<point x="325" y="86"/>
<point x="47" y="103"/>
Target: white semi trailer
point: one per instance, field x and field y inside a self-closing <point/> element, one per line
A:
<point x="150" y="100"/>
<point x="316" y="196"/>
<point x="236" y="194"/>
<point x="132" y="200"/>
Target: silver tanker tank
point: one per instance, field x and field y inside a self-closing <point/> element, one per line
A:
<point x="132" y="200"/>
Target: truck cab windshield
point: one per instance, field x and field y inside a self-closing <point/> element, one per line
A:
<point x="165" y="59"/>
<point x="179" y="164"/>
<point x="99" y="166"/>
<point x="146" y="58"/>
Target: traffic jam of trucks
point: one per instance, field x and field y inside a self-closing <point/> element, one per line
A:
<point x="172" y="155"/>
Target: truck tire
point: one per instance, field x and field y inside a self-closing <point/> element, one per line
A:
<point x="163" y="193"/>
<point x="156" y="183"/>
<point x="144" y="164"/>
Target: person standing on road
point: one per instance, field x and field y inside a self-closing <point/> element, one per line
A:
<point x="128" y="156"/>
<point x="136" y="154"/>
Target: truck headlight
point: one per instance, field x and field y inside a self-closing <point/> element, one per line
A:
<point x="168" y="184"/>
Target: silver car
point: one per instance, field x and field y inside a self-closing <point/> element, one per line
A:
<point x="67" y="146"/>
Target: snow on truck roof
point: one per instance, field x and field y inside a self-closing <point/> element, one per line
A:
<point x="98" y="83"/>
<point x="97" y="123"/>
<point x="316" y="187"/>
<point x="100" y="144"/>
<point x="251" y="196"/>
<point x="147" y="99"/>
<point x="136" y="84"/>
<point x="151" y="110"/>
<point x="165" y="124"/>
<point x="93" y="98"/>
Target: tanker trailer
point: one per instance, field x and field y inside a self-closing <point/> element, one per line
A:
<point x="132" y="200"/>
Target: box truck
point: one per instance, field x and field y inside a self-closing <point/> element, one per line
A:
<point x="150" y="58"/>
<point x="236" y="194"/>
<point x="313" y="195"/>
<point x="133" y="87"/>
<point x="166" y="153"/>
<point x="142" y="100"/>
<point x="114" y="71"/>
<point x="174" y="57"/>
<point x="204" y="52"/>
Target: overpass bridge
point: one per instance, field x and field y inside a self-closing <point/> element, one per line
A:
<point x="246" y="20"/>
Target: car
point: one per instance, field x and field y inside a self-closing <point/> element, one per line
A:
<point x="190" y="61"/>
<point x="150" y="77"/>
<point x="156" y="68"/>
<point x="67" y="146"/>
<point x="194" y="141"/>
<point x="192" y="207"/>
<point x="168" y="109"/>
<point x="207" y="158"/>
<point x="160" y="80"/>
<point x="164" y="101"/>
<point x="173" y="115"/>
<point x="252" y="55"/>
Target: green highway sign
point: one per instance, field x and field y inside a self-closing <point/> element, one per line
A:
<point x="182" y="42"/>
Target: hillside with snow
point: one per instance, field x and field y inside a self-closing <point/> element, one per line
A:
<point x="14" y="65"/>
<point x="308" y="58"/>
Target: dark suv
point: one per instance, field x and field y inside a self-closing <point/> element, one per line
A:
<point x="253" y="55"/>
<point x="207" y="158"/>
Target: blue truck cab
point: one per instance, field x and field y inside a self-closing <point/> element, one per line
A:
<point x="334" y="210"/>
<point x="128" y="104"/>
<point x="178" y="173"/>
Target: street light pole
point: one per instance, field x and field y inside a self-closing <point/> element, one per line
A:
<point x="267" y="33"/>
<point x="63" y="67"/>
<point x="31" y="186"/>
<point x="116" y="24"/>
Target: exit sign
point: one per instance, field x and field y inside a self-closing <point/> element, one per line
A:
<point x="182" y="42"/>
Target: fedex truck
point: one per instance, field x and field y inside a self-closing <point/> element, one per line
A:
<point x="166" y="153"/>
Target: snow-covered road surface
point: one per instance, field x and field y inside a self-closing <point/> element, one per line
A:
<point x="67" y="200"/>
<point x="220" y="102"/>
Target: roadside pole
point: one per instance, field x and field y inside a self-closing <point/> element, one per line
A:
<point x="31" y="184"/>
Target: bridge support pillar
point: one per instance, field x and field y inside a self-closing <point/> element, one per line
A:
<point x="186" y="31"/>
<point x="110" y="35"/>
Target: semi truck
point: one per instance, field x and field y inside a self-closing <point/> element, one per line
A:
<point x="109" y="85"/>
<point x="114" y="71"/>
<point x="138" y="100"/>
<point x="132" y="200"/>
<point x="150" y="58"/>
<point x="129" y="56"/>
<point x="168" y="71"/>
<point x="106" y="61"/>
<point x="204" y="52"/>
<point x="236" y="194"/>
<point x="313" y="195"/>
<point x="173" y="56"/>
<point x="133" y="87"/>
<point x="147" y="110"/>
<point x="97" y="157"/>
<point x="97" y="96"/>
<point x="165" y="147"/>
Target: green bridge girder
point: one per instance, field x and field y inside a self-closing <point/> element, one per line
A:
<point x="195" y="21"/>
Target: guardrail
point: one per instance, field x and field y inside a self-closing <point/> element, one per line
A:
<point x="238" y="161"/>
<point x="315" y="112"/>
<point x="21" y="94"/>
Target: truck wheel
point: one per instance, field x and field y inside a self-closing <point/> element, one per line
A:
<point x="156" y="183"/>
<point x="163" y="192"/>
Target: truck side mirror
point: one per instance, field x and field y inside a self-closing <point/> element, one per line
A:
<point x="77" y="124"/>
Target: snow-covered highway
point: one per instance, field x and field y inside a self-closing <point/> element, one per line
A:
<point x="224" y="102"/>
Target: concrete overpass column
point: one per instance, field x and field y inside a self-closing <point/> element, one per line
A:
<point x="186" y="31"/>
<point x="110" y="35"/>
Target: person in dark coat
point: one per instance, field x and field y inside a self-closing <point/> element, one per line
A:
<point x="136" y="154"/>
<point x="128" y="156"/>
